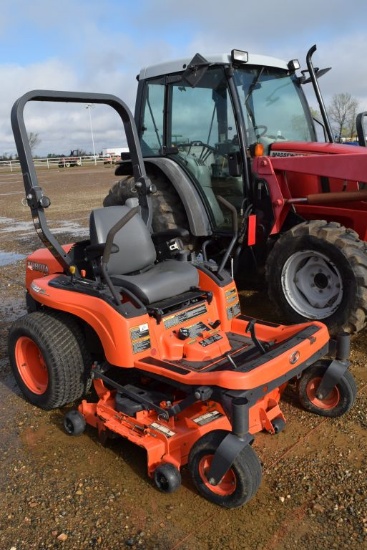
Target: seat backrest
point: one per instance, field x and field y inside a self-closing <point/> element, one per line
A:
<point x="136" y="248"/>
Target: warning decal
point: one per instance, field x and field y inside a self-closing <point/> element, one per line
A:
<point x="163" y="429"/>
<point x="183" y="316"/>
<point x="207" y="418"/>
<point x="210" y="340"/>
<point x="140" y="338"/>
<point x="233" y="311"/>
<point x="231" y="294"/>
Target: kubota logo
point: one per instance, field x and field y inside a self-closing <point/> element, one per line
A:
<point x="294" y="357"/>
<point x="35" y="266"/>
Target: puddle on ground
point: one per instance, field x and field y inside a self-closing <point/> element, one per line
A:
<point x="72" y="228"/>
<point x="10" y="225"/>
<point x="7" y="258"/>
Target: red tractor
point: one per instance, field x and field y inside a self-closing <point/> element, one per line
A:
<point x="239" y="126"/>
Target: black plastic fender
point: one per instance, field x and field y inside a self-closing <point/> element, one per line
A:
<point x="197" y="215"/>
<point x="225" y="454"/>
<point x="333" y="374"/>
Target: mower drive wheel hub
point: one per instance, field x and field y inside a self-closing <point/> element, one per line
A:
<point x="329" y="402"/>
<point x="31" y="365"/>
<point x="312" y="284"/>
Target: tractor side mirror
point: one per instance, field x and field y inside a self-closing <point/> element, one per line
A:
<point x="195" y="70"/>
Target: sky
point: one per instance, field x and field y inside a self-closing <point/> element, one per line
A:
<point x="101" y="45"/>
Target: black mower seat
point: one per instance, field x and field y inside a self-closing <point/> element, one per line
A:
<point x="133" y="265"/>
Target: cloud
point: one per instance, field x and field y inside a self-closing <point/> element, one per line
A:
<point x="100" y="46"/>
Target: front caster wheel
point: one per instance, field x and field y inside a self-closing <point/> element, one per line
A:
<point x="238" y="485"/>
<point x="336" y="403"/>
<point x="74" y="423"/>
<point x="167" y="478"/>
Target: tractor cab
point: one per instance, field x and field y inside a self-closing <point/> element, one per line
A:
<point x="212" y="116"/>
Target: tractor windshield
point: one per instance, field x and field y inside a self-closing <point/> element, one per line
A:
<point x="273" y="105"/>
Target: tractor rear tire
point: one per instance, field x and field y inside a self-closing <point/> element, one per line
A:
<point x="238" y="485"/>
<point x="49" y="359"/>
<point x="168" y="210"/>
<point x="318" y="270"/>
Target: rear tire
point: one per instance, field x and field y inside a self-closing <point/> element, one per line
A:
<point x="168" y="210"/>
<point x="238" y="485"/>
<point x="318" y="270"/>
<point x="49" y="359"/>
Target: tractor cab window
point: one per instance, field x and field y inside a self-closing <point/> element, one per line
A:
<point x="204" y="131"/>
<point x="152" y="123"/>
<point x="273" y="106"/>
<point x="196" y="126"/>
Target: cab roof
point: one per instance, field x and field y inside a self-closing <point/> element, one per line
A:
<point x="179" y="65"/>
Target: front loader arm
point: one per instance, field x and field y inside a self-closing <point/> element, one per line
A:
<point x="274" y="170"/>
<point x="352" y="167"/>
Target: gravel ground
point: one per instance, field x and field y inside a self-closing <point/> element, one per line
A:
<point x="74" y="493"/>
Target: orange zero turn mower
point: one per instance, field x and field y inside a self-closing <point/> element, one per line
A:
<point x="175" y="366"/>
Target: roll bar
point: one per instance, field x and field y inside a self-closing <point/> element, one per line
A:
<point x="36" y="200"/>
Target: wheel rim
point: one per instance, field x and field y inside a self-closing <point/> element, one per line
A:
<point x="162" y="482"/>
<point x="330" y="402"/>
<point x="312" y="284"/>
<point x="31" y="365"/>
<point x="227" y="484"/>
<point x="69" y="425"/>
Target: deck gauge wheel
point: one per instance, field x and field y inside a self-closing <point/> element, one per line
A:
<point x="74" y="423"/>
<point x="167" y="478"/>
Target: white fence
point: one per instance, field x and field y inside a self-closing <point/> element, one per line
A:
<point x="61" y="162"/>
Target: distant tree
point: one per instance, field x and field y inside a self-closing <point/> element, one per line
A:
<point x="315" y="113"/>
<point x="6" y="156"/>
<point x="342" y="111"/>
<point x="352" y="131"/>
<point x="33" y="140"/>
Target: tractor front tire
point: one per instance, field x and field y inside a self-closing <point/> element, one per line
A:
<point x="318" y="270"/>
<point x="238" y="485"/>
<point x="49" y="359"/>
